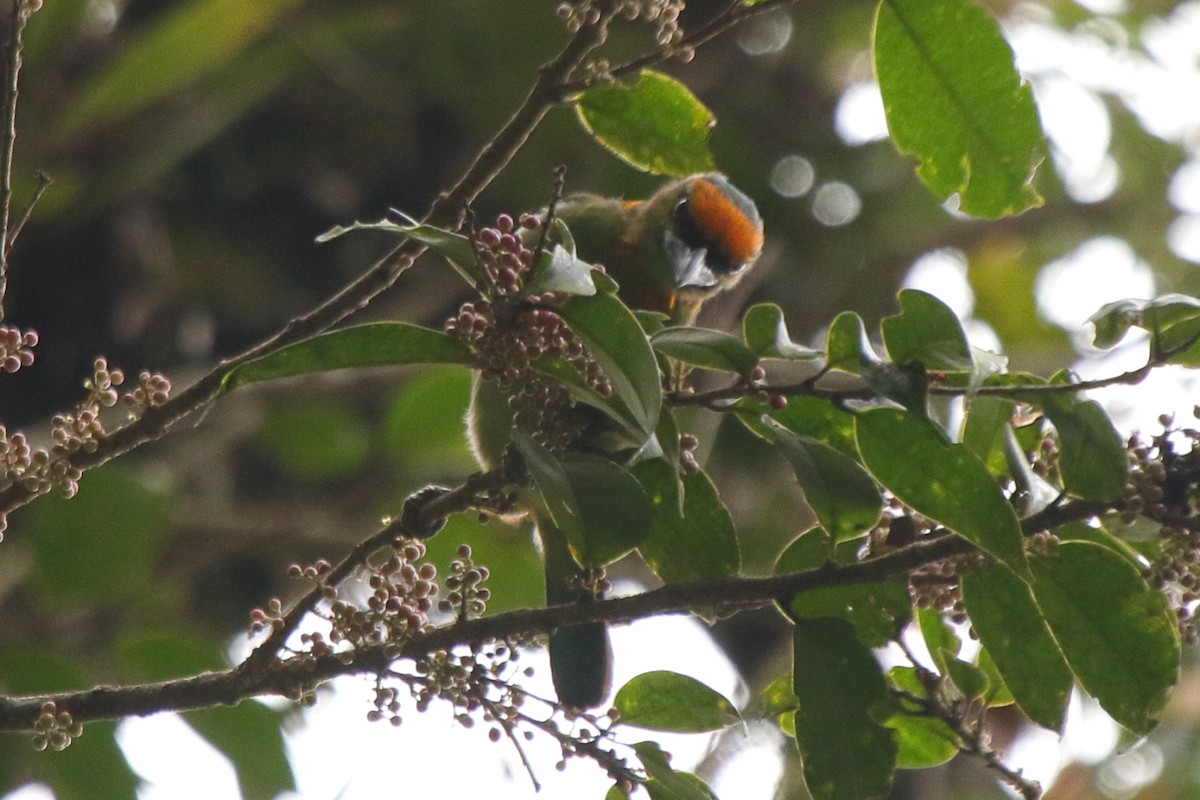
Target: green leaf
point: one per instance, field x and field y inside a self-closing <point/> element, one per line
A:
<point x="840" y="492"/>
<point x="696" y="545"/>
<point x="317" y="439"/>
<point x="102" y="545"/>
<point x="705" y="348"/>
<point x="664" y="782"/>
<point x="1013" y="632"/>
<point x="1092" y="454"/>
<point x="813" y="417"/>
<point x="766" y="334"/>
<point x="1160" y="316"/>
<point x="248" y="734"/>
<point x="922" y="742"/>
<point x="927" y="331"/>
<point x="599" y="506"/>
<point x="954" y="99"/>
<point x="423" y="424"/>
<point x="175" y="51"/>
<point x="653" y="123"/>
<point x="668" y="701"/>
<point x="1117" y="632"/>
<point x="1113" y="321"/>
<point x="939" y="638"/>
<point x="846" y="753"/>
<point x="970" y="679"/>
<point x="846" y="345"/>
<point x="944" y="481"/>
<point x="375" y="344"/>
<point x="613" y="337"/>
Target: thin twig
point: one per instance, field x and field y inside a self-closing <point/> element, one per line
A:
<point x="43" y="182"/>
<point x="8" y="136"/>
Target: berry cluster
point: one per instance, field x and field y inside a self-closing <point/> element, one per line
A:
<point x="1163" y="485"/>
<point x="16" y="348"/>
<point x="663" y="13"/>
<point x="55" y="729"/>
<point x="510" y="332"/>
<point x="466" y="595"/>
<point x="402" y="593"/>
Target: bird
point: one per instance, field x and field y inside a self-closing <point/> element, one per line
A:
<point x="691" y="239"/>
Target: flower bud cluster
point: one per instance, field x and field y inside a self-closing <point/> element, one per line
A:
<point x="466" y="595"/>
<point x="1163" y="485"/>
<point x="55" y="729"/>
<point x="687" y="453"/>
<point x="664" y="14"/>
<point x="402" y="595"/>
<point x="152" y="391"/>
<point x="16" y="348"/>
<point x="510" y="332"/>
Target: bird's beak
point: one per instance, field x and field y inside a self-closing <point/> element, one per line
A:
<point x="688" y="264"/>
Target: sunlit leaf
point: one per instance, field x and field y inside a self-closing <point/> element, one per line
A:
<point x="954" y="99"/>
<point x="668" y="701"/>
<point x="653" y="123"/>
<point x="926" y="330"/>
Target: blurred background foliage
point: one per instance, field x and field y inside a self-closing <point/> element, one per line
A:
<point x="197" y="147"/>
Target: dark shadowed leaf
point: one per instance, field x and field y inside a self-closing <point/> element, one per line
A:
<point x="840" y="492"/>
<point x="376" y="344"/>
<point x="847" y="755"/>
<point x="664" y="782"/>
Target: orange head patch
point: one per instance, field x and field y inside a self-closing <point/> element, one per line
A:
<point x="728" y="221"/>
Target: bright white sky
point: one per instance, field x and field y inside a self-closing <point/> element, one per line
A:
<point x="338" y="754"/>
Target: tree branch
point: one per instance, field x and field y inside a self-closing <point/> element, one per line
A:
<point x="263" y="674"/>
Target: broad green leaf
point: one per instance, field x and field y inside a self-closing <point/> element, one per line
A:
<point x="653" y="123"/>
<point x="698" y="544"/>
<point x="1014" y="633"/>
<point x="776" y="699"/>
<point x="668" y="701"/>
<point x="766" y="334"/>
<point x="1113" y="321"/>
<point x="983" y="427"/>
<point x="817" y="419"/>
<point x="998" y="693"/>
<point x="248" y="734"/>
<point x="944" y="481"/>
<point x="840" y="492"/>
<point x="666" y="783"/>
<point x="102" y="545"/>
<point x="927" y="331"/>
<point x="955" y="101"/>
<point x="922" y="742"/>
<point x="375" y="344"/>
<point x="173" y="52"/>
<point x="705" y="348"/>
<point x="423" y="424"/>
<point x="970" y="679"/>
<point x="1117" y="632"/>
<point x="318" y="439"/>
<point x="846" y="345"/>
<point x="1092" y="455"/>
<point x="846" y="753"/>
<point x="614" y="338"/>
<point x="939" y="638"/>
<point x="878" y="610"/>
<point x="598" y="505"/>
